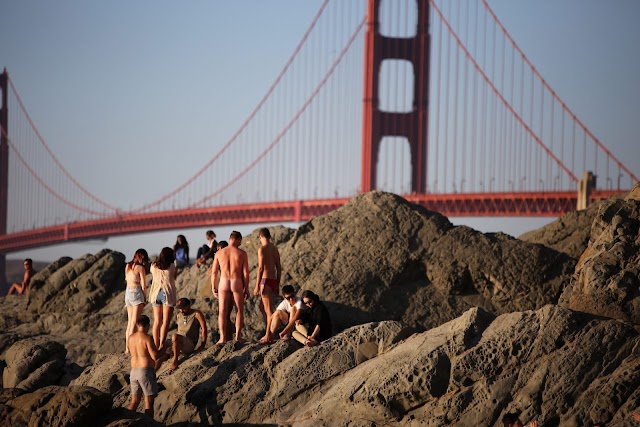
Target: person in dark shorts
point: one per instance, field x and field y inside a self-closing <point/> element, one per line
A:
<point x="269" y="273"/>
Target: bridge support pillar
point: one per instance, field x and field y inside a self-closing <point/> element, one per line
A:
<point x="586" y="185"/>
<point x="411" y="125"/>
<point x="4" y="173"/>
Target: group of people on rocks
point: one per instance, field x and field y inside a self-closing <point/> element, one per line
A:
<point x="304" y="318"/>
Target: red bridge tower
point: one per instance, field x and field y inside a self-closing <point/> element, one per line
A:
<point x="376" y="123"/>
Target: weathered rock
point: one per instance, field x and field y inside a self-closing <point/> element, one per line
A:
<point x="33" y="363"/>
<point x="79" y="286"/>
<point x="58" y="406"/>
<point x="472" y="370"/>
<point x="568" y="234"/>
<point x="607" y="275"/>
<point x="380" y="257"/>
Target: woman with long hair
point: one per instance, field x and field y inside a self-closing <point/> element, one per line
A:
<point x="181" y="251"/>
<point x="135" y="273"/>
<point x="162" y="295"/>
<point x="315" y="325"/>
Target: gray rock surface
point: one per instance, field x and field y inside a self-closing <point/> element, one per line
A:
<point x="607" y="277"/>
<point x="58" y="406"/>
<point x="33" y="363"/>
<point x="568" y="234"/>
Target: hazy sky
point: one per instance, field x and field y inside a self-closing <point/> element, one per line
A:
<point x="105" y="80"/>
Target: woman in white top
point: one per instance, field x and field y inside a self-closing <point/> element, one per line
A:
<point x="163" y="295"/>
<point x="135" y="273"/>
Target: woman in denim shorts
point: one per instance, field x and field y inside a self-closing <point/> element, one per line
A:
<point x="135" y="273"/>
<point x="162" y="295"/>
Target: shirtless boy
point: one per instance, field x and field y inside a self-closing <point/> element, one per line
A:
<point x="144" y="355"/>
<point x="232" y="264"/>
<point x="268" y="279"/>
<point x="21" y="288"/>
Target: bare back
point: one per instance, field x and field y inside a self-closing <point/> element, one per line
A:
<point x="143" y="350"/>
<point x="232" y="261"/>
<point x="269" y="257"/>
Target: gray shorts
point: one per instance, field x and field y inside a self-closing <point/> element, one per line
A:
<point x="143" y="381"/>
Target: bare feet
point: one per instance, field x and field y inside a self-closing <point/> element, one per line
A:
<point x="160" y="360"/>
<point x="265" y="340"/>
<point x="240" y="339"/>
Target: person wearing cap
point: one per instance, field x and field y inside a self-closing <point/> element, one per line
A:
<point x="191" y="323"/>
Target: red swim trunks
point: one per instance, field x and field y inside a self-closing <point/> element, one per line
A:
<point x="271" y="283"/>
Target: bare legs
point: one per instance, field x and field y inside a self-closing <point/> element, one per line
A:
<point x="224" y="308"/>
<point x="279" y="317"/>
<point x="238" y="298"/>
<point x="226" y="301"/>
<point x="148" y="403"/>
<point x="265" y="308"/>
<point x="133" y="312"/>
<point x="18" y="288"/>
<point x="301" y="333"/>
<point x="161" y="318"/>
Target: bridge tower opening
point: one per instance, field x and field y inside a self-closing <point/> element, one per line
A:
<point x="4" y="171"/>
<point x="411" y="125"/>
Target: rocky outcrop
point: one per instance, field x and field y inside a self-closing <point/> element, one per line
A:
<point x="607" y="277"/>
<point x="551" y="364"/>
<point x="33" y="363"/>
<point x="436" y="325"/>
<point x="568" y="234"/>
<point x="83" y="285"/>
<point x="57" y="406"/>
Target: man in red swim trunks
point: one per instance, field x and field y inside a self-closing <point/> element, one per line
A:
<point x="268" y="278"/>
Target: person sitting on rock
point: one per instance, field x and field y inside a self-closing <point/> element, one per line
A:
<point x="315" y="319"/>
<point x="181" y="251"/>
<point x="21" y="288"/>
<point x="144" y="355"/>
<point x="287" y="312"/>
<point x="208" y="250"/>
<point x="191" y="323"/>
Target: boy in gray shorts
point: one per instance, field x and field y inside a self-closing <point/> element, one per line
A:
<point x="144" y="356"/>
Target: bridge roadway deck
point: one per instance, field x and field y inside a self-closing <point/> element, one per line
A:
<point x="511" y="204"/>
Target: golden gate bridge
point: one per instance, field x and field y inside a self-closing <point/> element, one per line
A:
<point x="435" y="98"/>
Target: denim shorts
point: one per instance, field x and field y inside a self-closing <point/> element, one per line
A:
<point x="161" y="299"/>
<point x="133" y="296"/>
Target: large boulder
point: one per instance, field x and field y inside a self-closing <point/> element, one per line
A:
<point x="554" y="365"/>
<point x="608" y="272"/>
<point x="58" y="406"/>
<point x="80" y="286"/>
<point x="33" y="363"/>
<point x="383" y="258"/>
<point x="568" y="234"/>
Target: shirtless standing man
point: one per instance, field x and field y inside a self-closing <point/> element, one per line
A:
<point x="144" y="355"/>
<point x="233" y="265"/>
<point x="21" y="288"/>
<point x="268" y="278"/>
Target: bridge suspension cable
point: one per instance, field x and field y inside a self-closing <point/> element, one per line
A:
<point x="556" y="96"/>
<point x="57" y="162"/>
<point x="244" y="125"/>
